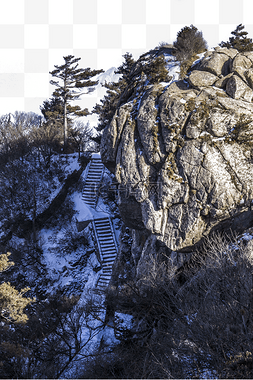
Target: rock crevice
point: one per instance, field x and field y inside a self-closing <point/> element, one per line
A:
<point x="185" y="154"/>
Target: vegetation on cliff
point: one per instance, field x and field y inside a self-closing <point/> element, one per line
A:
<point x="182" y="153"/>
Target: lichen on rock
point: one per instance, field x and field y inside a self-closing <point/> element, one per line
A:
<point x="185" y="152"/>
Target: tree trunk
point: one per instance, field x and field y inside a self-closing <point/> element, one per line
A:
<point x="65" y="126"/>
<point x="34" y="214"/>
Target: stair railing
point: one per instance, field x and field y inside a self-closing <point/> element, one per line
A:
<point x="98" y="186"/>
<point x="113" y="233"/>
<point x="97" y="239"/>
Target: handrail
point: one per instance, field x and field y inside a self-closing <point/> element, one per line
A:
<point x="97" y="239"/>
<point x="99" y="183"/>
<point x="113" y="233"/>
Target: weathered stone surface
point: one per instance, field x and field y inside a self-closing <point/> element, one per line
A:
<point x="221" y="83"/>
<point x="220" y="122"/>
<point x="238" y="89"/>
<point x="240" y="64"/>
<point x="178" y="87"/>
<point x="184" y="157"/>
<point x="249" y="55"/>
<point x="229" y="52"/>
<point x="113" y="134"/>
<point x="148" y="127"/>
<point x="217" y="64"/>
<point x="199" y="79"/>
<point x="173" y="115"/>
<point x="249" y="77"/>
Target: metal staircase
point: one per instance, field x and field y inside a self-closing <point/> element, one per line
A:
<point x="107" y="248"/>
<point x="103" y="228"/>
<point x="92" y="181"/>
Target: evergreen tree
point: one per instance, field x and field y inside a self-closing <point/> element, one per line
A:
<point x="188" y="44"/>
<point x="239" y="41"/>
<point x="156" y="70"/>
<point x="71" y="80"/>
<point x="53" y="110"/>
<point x="109" y="103"/>
<point x="126" y="67"/>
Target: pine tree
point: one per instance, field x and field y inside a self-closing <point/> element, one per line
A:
<point x="71" y="80"/>
<point x="52" y="110"/>
<point x="156" y="70"/>
<point x="109" y="103"/>
<point x="240" y="41"/>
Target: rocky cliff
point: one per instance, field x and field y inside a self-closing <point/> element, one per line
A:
<point x="182" y="152"/>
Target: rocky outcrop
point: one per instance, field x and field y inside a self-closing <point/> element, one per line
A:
<point x="183" y="153"/>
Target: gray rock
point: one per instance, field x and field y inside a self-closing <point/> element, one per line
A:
<point x="112" y="135"/>
<point x="200" y="79"/>
<point x="249" y="55"/>
<point x="217" y="64"/>
<point x="148" y="126"/>
<point x="249" y="77"/>
<point x="229" y="52"/>
<point x="173" y="115"/>
<point x="238" y="89"/>
<point x="240" y="64"/>
<point x="221" y="83"/>
<point x="184" y="157"/>
<point x="220" y="122"/>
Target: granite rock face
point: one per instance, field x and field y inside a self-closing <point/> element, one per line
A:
<point x="183" y="153"/>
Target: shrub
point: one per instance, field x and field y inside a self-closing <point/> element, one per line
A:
<point x="183" y="331"/>
<point x="188" y="44"/>
<point x="240" y="41"/>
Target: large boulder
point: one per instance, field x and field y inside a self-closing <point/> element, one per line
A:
<point x="183" y="154"/>
<point x="217" y="64"/>
<point x="199" y="79"/>
<point x="240" y="64"/>
<point x="238" y="89"/>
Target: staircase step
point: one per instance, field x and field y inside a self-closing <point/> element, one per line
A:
<point x="105" y="276"/>
<point x="103" y="229"/>
<point x="105" y="238"/>
<point x="94" y="175"/>
<point x="102" y="226"/>
<point x="102" y="221"/>
<point x="101" y="281"/>
<point x="104" y="233"/>
<point x="108" y="259"/>
<point x="106" y="241"/>
<point x="108" y="267"/>
<point x="112" y="253"/>
<point x="109" y="252"/>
